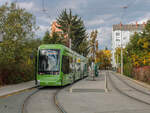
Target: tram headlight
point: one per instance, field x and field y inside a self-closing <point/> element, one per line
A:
<point x="38" y="82"/>
<point x="57" y="73"/>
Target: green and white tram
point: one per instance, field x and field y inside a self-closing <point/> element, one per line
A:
<point x="58" y="65"/>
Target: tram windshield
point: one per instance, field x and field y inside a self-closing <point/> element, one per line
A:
<point x="48" y="61"/>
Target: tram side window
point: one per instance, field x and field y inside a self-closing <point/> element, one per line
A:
<point x="71" y="67"/>
<point x="65" y="64"/>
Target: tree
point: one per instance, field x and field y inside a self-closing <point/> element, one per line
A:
<point x="104" y="57"/>
<point x="138" y="48"/>
<point x="53" y="39"/>
<point x="72" y="28"/>
<point x="137" y="52"/>
<point x="46" y="38"/>
<point x="17" y="28"/>
<point x="84" y="48"/>
<point x="93" y="44"/>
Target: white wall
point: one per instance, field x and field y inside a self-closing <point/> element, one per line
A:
<point x="116" y="41"/>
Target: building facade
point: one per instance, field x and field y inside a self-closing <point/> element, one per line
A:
<point x="121" y="36"/>
<point x="54" y="28"/>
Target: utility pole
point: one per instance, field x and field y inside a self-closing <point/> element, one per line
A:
<point x="68" y="38"/>
<point x="121" y="51"/>
<point x="124" y="8"/>
<point x="117" y="60"/>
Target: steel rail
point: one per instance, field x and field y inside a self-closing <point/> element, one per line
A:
<point x="55" y="96"/>
<point x="57" y="103"/>
<point x="125" y="94"/>
<point x="121" y="79"/>
<point x="23" y="110"/>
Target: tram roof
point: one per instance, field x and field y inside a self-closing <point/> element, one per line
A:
<point x="61" y="47"/>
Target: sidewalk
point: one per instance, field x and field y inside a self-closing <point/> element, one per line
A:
<point x="89" y="96"/>
<point x="10" y="89"/>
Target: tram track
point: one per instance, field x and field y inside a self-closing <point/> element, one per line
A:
<point x="55" y="98"/>
<point x="23" y="110"/>
<point x="126" y="83"/>
<point x="57" y="103"/>
<point x="123" y="92"/>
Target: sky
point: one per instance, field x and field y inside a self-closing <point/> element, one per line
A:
<point x="96" y="14"/>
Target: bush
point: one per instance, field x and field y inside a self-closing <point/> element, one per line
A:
<point x="127" y="70"/>
<point x="142" y="73"/>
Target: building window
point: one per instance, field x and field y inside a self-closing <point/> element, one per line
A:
<point x="117" y="39"/>
<point x="124" y="38"/>
<point x="117" y="34"/>
<point x="65" y="64"/>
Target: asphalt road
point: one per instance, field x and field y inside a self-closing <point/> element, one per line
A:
<point x="40" y="102"/>
<point x="13" y="104"/>
<point x="82" y="101"/>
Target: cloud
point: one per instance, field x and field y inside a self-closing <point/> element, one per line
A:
<point x="30" y="6"/>
<point x="104" y="36"/>
<point x="94" y="22"/>
<point x="73" y="4"/>
<point x="42" y="29"/>
<point x="2" y="2"/>
<point x="45" y="19"/>
<point x="98" y="20"/>
<point x="142" y="19"/>
<point x="26" y="5"/>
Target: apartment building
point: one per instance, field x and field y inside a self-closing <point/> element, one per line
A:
<point x="121" y="35"/>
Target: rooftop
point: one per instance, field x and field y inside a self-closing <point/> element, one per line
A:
<point x="129" y="27"/>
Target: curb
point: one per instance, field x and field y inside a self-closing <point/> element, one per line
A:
<point x="17" y="92"/>
<point x="135" y="81"/>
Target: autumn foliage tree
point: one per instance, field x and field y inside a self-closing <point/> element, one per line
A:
<point x="104" y="58"/>
<point x="138" y="48"/>
<point x="93" y="45"/>
<point x="137" y="52"/>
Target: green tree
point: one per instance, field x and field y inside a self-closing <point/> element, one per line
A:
<point x="84" y="48"/>
<point x="53" y="39"/>
<point x="17" y="27"/>
<point x="73" y="28"/>
<point x="46" y="38"/>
